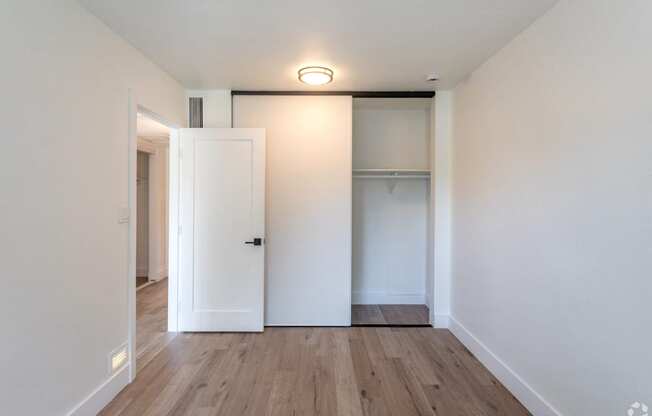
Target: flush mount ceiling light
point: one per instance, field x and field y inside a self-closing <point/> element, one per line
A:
<point x="315" y="75"/>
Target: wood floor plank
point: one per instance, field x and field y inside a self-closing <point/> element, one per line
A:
<point x="367" y="378"/>
<point x="390" y="315"/>
<point x="358" y="371"/>
<point x="262" y="391"/>
<point x="478" y="392"/>
<point x="280" y="400"/>
<point x="151" y="322"/>
<point x="306" y="387"/>
<point x="372" y="345"/>
<point x="399" y="397"/>
<point x="174" y="392"/>
<point x="367" y="314"/>
<point x="424" y="366"/>
<point x="237" y="401"/>
<point x="199" y="382"/>
<point x="413" y="387"/>
<point x="450" y="373"/>
<point x="390" y="342"/>
<point x="481" y="382"/>
<point x="347" y="390"/>
<point x="405" y="314"/>
<point x="442" y="402"/>
<point x="222" y="381"/>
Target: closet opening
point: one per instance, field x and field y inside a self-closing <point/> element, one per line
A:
<point x="391" y="228"/>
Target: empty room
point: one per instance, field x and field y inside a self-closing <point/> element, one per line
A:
<point x="351" y="208"/>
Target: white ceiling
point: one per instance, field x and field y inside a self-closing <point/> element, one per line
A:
<point x="370" y="44"/>
<point x="151" y="129"/>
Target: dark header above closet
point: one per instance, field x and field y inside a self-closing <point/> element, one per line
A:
<point x="354" y="94"/>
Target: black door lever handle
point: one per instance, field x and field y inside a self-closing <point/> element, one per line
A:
<point x="255" y="242"/>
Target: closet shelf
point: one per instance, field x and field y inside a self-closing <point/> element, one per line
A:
<point x="391" y="173"/>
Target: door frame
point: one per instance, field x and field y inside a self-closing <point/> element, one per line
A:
<point x="135" y="107"/>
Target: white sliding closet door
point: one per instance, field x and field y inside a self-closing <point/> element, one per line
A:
<point x="308" y="259"/>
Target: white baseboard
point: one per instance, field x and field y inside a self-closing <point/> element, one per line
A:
<point x="532" y="400"/>
<point x="386" y="298"/>
<point x="144" y="285"/>
<point x="431" y="309"/>
<point x="441" y="321"/>
<point x="102" y="395"/>
<point x="149" y="283"/>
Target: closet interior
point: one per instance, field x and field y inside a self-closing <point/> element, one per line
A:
<point x="391" y="189"/>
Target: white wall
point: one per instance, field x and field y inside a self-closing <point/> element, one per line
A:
<point x="216" y="109"/>
<point x="308" y="205"/>
<point x="158" y="209"/>
<point x="441" y="184"/>
<point x="391" y="133"/>
<point x="552" y="234"/>
<point x="390" y="224"/>
<point x="389" y="241"/>
<point x="63" y="175"/>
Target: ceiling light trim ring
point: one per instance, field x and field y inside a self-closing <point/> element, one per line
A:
<point x="305" y="72"/>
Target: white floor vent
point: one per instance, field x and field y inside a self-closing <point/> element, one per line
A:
<point x="118" y="358"/>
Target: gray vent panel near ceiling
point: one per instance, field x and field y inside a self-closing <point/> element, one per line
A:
<point x="196" y="112"/>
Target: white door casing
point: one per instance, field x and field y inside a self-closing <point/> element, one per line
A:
<point x="221" y="278"/>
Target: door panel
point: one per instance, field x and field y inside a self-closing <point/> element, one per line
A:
<point x="308" y="276"/>
<point x="222" y="207"/>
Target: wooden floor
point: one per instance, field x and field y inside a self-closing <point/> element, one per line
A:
<point x="313" y="371"/>
<point x="141" y="280"/>
<point x="151" y="322"/>
<point x="389" y="315"/>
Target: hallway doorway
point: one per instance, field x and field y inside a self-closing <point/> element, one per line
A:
<point x="152" y="238"/>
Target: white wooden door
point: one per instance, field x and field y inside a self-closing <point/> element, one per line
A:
<point x="222" y="219"/>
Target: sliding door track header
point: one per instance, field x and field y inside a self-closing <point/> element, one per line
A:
<point x="393" y="325"/>
<point x="354" y="94"/>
